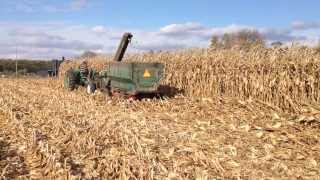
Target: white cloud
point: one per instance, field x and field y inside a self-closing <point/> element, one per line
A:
<point x="311" y="41"/>
<point x="199" y="31"/>
<point x="56" y="39"/>
<point x="45" y="41"/>
<point x="175" y="29"/>
<point x="283" y="35"/>
<point x="99" y="29"/>
<point x="301" y="25"/>
<point x="233" y="28"/>
<point x="202" y="34"/>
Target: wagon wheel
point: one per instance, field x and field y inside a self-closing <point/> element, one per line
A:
<point x="107" y="88"/>
<point x="70" y="80"/>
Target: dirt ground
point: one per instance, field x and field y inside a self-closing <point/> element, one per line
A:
<point x="47" y="132"/>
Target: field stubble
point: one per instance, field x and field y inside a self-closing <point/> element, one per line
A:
<point x="62" y="134"/>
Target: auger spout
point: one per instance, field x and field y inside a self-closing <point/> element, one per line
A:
<point x="123" y="47"/>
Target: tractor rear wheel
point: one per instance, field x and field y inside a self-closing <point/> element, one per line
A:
<point x="70" y="80"/>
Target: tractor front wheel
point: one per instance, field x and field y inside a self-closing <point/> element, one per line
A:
<point x="70" y="80"/>
<point x="91" y="88"/>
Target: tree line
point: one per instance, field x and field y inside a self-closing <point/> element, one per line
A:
<point x="243" y="39"/>
<point x="25" y="66"/>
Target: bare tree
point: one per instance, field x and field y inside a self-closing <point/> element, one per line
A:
<point x="248" y="38"/>
<point x="88" y="54"/>
<point x="227" y="40"/>
<point x="277" y="44"/>
<point x="215" y="42"/>
<point x="242" y="39"/>
<point x="318" y="47"/>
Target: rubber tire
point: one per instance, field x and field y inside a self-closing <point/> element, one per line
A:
<point x="70" y="80"/>
<point x="108" y="88"/>
<point x="91" y="88"/>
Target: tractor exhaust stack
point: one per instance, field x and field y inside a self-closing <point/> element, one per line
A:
<point x="126" y="39"/>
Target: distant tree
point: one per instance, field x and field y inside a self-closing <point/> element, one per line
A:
<point x="88" y="54"/>
<point x="227" y="40"/>
<point x="247" y="39"/>
<point x="242" y="39"/>
<point x="277" y="44"/>
<point x="23" y="71"/>
<point x="215" y="42"/>
<point x="318" y="47"/>
<point x="25" y="65"/>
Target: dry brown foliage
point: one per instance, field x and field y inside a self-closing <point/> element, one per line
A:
<point x="48" y="132"/>
<point x="244" y="114"/>
<point x="287" y="78"/>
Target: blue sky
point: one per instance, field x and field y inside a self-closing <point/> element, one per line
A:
<point x="50" y="28"/>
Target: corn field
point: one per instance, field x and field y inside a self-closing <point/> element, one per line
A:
<point x="287" y="78"/>
<point x="241" y="115"/>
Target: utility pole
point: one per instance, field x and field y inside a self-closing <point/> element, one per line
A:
<point x="16" y="60"/>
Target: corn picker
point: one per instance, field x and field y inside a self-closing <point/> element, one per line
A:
<point x="126" y="78"/>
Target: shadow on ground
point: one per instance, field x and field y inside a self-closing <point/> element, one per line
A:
<point x="164" y="91"/>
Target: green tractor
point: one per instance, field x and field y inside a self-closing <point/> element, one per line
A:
<point x="132" y="78"/>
